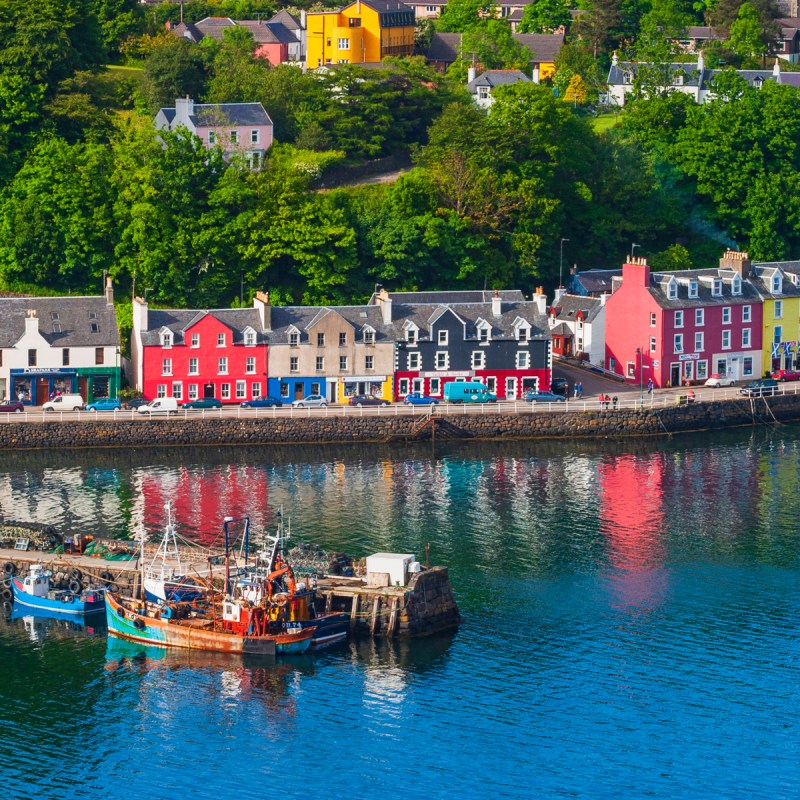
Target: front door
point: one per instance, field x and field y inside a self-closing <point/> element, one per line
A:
<point x="42" y="391"/>
<point x="83" y="388"/>
<point x="299" y="390"/>
<point x="674" y="374"/>
<point x="208" y="390"/>
<point x="511" y="388"/>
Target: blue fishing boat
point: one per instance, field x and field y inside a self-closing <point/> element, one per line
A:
<point x="36" y="590"/>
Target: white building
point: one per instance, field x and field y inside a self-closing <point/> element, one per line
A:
<point x="578" y="326"/>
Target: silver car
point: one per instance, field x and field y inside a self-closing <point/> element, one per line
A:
<point x="312" y="401"/>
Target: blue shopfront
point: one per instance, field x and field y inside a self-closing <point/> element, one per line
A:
<point x="291" y="389"/>
<point x="35" y="385"/>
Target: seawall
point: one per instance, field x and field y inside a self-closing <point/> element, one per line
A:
<point x="318" y="429"/>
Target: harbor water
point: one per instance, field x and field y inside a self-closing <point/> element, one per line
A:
<point x="630" y="628"/>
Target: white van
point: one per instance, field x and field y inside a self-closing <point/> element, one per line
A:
<point x="64" y="402"/>
<point x="164" y="405"/>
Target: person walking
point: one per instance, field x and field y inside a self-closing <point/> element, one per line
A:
<point x="614" y="401"/>
<point x="650" y="385"/>
<point x="579" y="389"/>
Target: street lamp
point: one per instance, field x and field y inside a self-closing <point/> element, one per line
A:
<point x="633" y="247"/>
<point x="642" y="368"/>
<point x="561" y="265"/>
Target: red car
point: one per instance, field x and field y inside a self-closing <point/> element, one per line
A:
<point x="786" y="375"/>
<point x="11" y="408"/>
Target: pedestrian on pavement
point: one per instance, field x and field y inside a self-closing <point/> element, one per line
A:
<point x="579" y="389"/>
<point x="650" y="386"/>
<point x="614" y="401"/>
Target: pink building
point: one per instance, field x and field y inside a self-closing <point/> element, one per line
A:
<point x="678" y="328"/>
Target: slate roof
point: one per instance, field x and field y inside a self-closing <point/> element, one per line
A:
<point x="444" y="47"/>
<point x="288" y="20"/>
<point x="179" y="319"/>
<point x="762" y="273"/>
<point x="284" y="318"/>
<point x="594" y="281"/>
<point x="497" y="77"/>
<point x="567" y="307"/>
<point x="659" y="281"/>
<point x="544" y="47"/>
<point x="238" y="114"/>
<point x="450" y="298"/>
<point x="72" y="318"/>
<point x="692" y="75"/>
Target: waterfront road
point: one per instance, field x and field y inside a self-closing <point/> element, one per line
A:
<point x="628" y="398"/>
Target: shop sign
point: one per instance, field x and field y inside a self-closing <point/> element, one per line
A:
<point x="462" y="374"/>
<point x="364" y="379"/>
<point x="43" y="371"/>
<point x="689" y="356"/>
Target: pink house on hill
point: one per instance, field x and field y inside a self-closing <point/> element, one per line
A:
<point x="679" y="328"/>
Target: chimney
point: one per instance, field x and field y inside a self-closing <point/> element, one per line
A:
<point x="604" y="297"/>
<point x="701" y="65"/>
<point x="776" y="70"/>
<point x="109" y="292"/>
<point x="303" y="20"/>
<point x="636" y="272"/>
<point x="472" y="73"/>
<point x="31" y="322"/>
<point x="184" y="108"/>
<point x="535" y="75"/>
<point x="497" y="305"/>
<point x="540" y="299"/>
<point x="738" y="262"/>
<point x="140" y="324"/>
<point x="385" y="302"/>
<point x="262" y="305"/>
<point x="559" y="293"/>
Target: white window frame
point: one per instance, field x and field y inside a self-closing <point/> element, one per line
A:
<point x="726" y="315"/>
<point x="192" y="395"/>
<point x="194" y="366"/>
<point x="294" y="339"/>
<point x="699" y="317"/>
<point x="255" y="136"/>
<point x="653" y="344"/>
<point x="343" y="44"/>
<point x="777" y="311"/>
<point x="746" y="337"/>
<point x="166" y="366"/>
<point x="255" y="390"/>
<point x="249" y="339"/>
<point x="195" y="340"/>
<point x="679" y="319"/>
<point x="478" y="359"/>
<point x="435" y="386"/>
<point x="693" y="289"/>
<point x="442" y="359"/>
<point x="747" y="313"/>
<point x="523" y="359"/>
<point x="222" y="366"/>
<point x="414" y="360"/>
<point x="653" y="319"/>
<point x="402" y="386"/>
<point x="677" y="343"/>
<point x="716" y="288"/>
<point x="225" y="391"/>
<point x="294" y="364"/>
<point x="250" y="365"/>
<point x="319" y="364"/>
<point x="220" y="340"/>
<point x="411" y="335"/>
<point x="369" y="363"/>
<point x="736" y="285"/>
<point x="672" y="290"/>
<point x="442" y="337"/>
<point x="177" y="390"/>
<point x="699" y="342"/>
<point x="241" y="390"/>
<point x="161" y="390"/>
<point x="726" y="340"/>
<point x="343" y="362"/>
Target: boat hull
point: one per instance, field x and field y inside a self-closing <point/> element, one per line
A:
<point x="77" y="606"/>
<point x="128" y="624"/>
<point x="330" y="628"/>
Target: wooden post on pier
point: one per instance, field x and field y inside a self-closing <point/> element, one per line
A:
<point x="329" y="601"/>
<point x="354" y="611"/>
<point x="393" y="618"/>
<point x="373" y="626"/>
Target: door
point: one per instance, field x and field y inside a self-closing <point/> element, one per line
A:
<point x="208" y="390"/>
<point x="674" y="374"/>
<point x="42" y="391"/>
<point x="299" y="390"/>
<point x="511" y="388"/>
<point x="83" y="388"/>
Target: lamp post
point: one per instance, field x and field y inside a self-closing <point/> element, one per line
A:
<point x="561" y="264"/>
<point x="633" y="247"/>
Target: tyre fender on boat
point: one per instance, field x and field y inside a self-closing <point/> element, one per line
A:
<point x="75" y="586"/>
<point x="10" y="568"/>
<point x="138" y="623"/>
<point x="7" y="594"/>
<point x="75" y="574"/>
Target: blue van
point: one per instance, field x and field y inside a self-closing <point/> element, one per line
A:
<point x="468" y="392"/>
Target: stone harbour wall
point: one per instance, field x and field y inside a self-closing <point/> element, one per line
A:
<point x="484" y="423"/>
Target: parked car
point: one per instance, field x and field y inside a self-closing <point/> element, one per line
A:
<point x="64" y="402"/>
<point x="786" y="375"/>
<point x="543" y="397"/>
<point x="367" y="400"/>
<point x="163" y="405"/>
<point x="203" y="402"/>
<point x="11" y="408"/>
<point x="718" y="380"/>
<point x="468" y="392"/>
<point x="311" y="401"/>
<point x="104" y="404"/>
<point x="419" y="399"/>
<point x="759" y="388"/>
<point x="135" y="402"/>
<point x="559" y="386"/>
<point x="263" y="402"/>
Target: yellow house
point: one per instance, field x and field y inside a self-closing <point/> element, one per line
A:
<point x="779" y="285"/>
<point x="364" y="31"/>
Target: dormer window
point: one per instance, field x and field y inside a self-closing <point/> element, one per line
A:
<point x="369" y="336"/>
<point x="294" y="339"/>
<point x="522" y="333"/>
<point x="777" y="284"/>
<point x="442" y="337"/>
<point x="411" y="335"/>
<point x="693" y="289"/>
<point x="736" y="286"/>
<point x="249" y="338"/>
<point x="672" y="290"/>
<point x="716" y="289"/>
<point x="166" y="339"/>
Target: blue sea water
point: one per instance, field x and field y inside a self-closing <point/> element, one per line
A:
<point x="630" y="629"/>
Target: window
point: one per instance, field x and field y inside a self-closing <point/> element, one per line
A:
<point x="255" y="136"/>
<point x="161" y="390"/>
<point x="354" y="23"/>
<point x="483" y="333"/>
<point x="293" y="367"/>
<point x="193" y="391"/>
<point x="166" y="366"/>
<point x="777" y="335"/>
<point x="195" y="340"/>
<point x="672" y="290"/>
<point x="747" y="366"/>
<point x="369" y="363"/>
<point x="491" y="384"/>
<point x="699" y="317"/>
<point x="220" y="340"/>
<point x="483" y="92"/>
<point x="249" y="339"/>
<point x="284" y="390"/>
<point x="65" y="357"/>
<point x="653" y="345"/>
<point x="256" y="390"/>
<point x="166" y="340"/>
<point x="746" y="314"/>
<point x="702" y="370"/>
<point x="212" y="137"/>
<point x="342" y="363"/>
<point x="442" y="359"/>
<point x="631" y="369"/>
<point x="320" y="340"/>
<point x="745" y="337"/>
<point x="776" y="284"/>
<point x="652" y="319"/>
<point x="193" y="366"/>
<point x="314" y="388"/>
<point x="342" y="340"/>
<point x="225" y="391"/>
<point x="369" y="336"/>
<point x="222" y="366"/>
<point x="241" y="390"/>
<point x="99" y="355"/>
<point x="678" y="343"/>
<point x="320" y="364"/>
<point x="343" y="44"/>
<point x="436" y="386"/>
<point x="94" y="328"/>
<point x="716" y="289"/>
<point x="726" y="316"/>
<point x="736" y="286"/>
<point x="522" y="333"/>
<point x="234" y="137"/>
<point x="294" y="339"/>
<point x="442" y="337"/>
<point x="411" y="335"/>
<point x="523" y="360"/>
<point x="698" y="343"/>
<point x="402" y="386"/>
<point x="693" y="289"/>
<point x="679" y="319"/>
<point x="177" y="390"/>
<point x="478" y="359"/>
<point x="778" y="309"/>
<point x="726" y="340"/>
<point x="250" y="365"/>
<point x="31" y="358"/>
<point x="413" y="360"/>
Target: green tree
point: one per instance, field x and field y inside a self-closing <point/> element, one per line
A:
<point x="176" y="68"/>
<point x="597" y="25"/>
<point x="746" y="33"/>
<point x="675" y="257"/>
<point x="459" y="16"/>
<point x="545" y="16"/>
<point x="576" y="91"/>
<point x="119" y="19"/>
